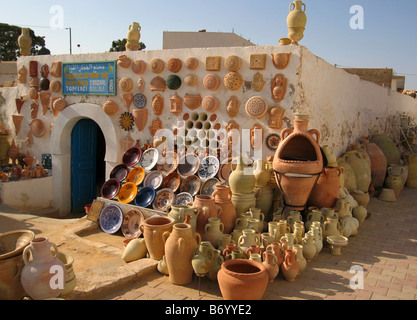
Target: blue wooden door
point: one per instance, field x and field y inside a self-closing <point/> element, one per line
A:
<point x="83" y="164"/>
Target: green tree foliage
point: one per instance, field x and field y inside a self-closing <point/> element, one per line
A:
<point x="120" y="45"/>
<point x="9" y="46"/>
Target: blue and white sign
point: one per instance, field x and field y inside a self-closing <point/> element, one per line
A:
<point x="89" y="78"/>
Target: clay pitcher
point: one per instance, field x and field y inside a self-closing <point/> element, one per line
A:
<point x="213" y="231"/>
<point x="180" y="245"/>
<point x="223" y="198"/>
<point x="326" y="190"/>
<point x="203" y="258"/>
<point x="242" y="180"/>
<point x="208" y="209"/>
<point x="36" y="275"/>
<point x="153" y="228"/>
<point x="290" y="268"/>
<point x="270" y="262"/>
<point x="331" y="228"/>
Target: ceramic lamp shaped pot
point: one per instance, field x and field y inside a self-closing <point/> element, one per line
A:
<point x="298" y="163"/>
<point x="242" y="279"/>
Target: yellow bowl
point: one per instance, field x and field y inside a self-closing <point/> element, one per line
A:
<point x="127" y="192"/>
<point x="136" y="175"/>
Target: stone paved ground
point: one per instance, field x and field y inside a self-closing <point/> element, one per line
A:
<point x="385" y="247"/>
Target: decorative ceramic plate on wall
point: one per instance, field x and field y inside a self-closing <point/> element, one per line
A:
<point x="163" y="199"/>
<point x="136" y="175"/>
<point x="208" y="186"/>
<point x="139" y="100"/>
<point x="191" y="184"/>
<point x="145" y="197"/>
<point x="153" y="179"/>
<point x="110" y="188"/>
<point x="209" y="167"/>
<point x="119" y="172"/>
<point x="272" y="141"/>
<point x="127" y="192"/>
<point x="131" y="223"/>
<point x="188" y="164"/>
<point x="111" y="218"/>
<point x="149" y="159"/>
<point x="183" y="198"/>
<point x="132" y="156"/>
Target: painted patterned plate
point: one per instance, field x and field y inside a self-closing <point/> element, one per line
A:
<point x="208" y="186"/>
<point x="149" y="159"/>
<point x="183" y="198"/>
<point x="131" y="223"/>
<point x="163" y="199"/>
<point x="191" y="184"/>
<point x="209" y="167"/>
<point x="111" y="218"/>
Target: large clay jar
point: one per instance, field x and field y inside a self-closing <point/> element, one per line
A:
<point x="208" y="209"/>
<point x="378" y="162"/>
<point x="242" y="180"/>
<point x="264" y="198"/>
<point x="394" y="182"/>
<point x="180" y="212"/>
<point x="290" y="268"/>
<point x="348" y="178"/>
<point x="243" y="201"/>
<point x="411" y="181"/>
<point x="25" y="42"/>
<point x="326" y="191"/>
<point x="296" y="21"/>
<point x="261" y="172"/>
<point x="223" y="198"/>
<point x="133" y="37"/>
<point x="153" y="228"/>
<point x="388" y="147"/>
<point x="270" y="262"/>
<point x="36" y="275"/>
<point x="203" y="258"/>
<point x="242" y="279"/>
<point x="213" y="231"/>
<point x="298" y="163"/>
<point x="180" y="246"/>
<point x="361" y="168"/>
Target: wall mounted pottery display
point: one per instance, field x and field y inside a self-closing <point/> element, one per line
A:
<point x="33" y="93"/>
<point x="136" y="175"/>
<point x="131" y="222"/>
<point x="296" y="21"/>
<point x="275" y="117"/>
<point x="256" y="107"/>
<point x="278" y="87"/>
<point x="127" y="192"/>
<point x="157" y="65"/>
<point x="132" y="156"/>
<point x="44" y="84"/>
<point x="124" y="61"/>
<point x="139" y="100"/>
<point x="20" y="103"/>
<point x="56" y="69"/>
<point x="281" y="60"/>
<point x="242" y="279"/>
<point x="233" y="63"/>
<point x="188" y="164"/>
<point x="145" y="197"/>
<point x="153" y="179"/>
<point x="119" y="172"/>
<point x="22" y="75"/>
<point x="191" y="80"/>
<point x="55" y="86"/>
<point x="153" y="229"/>
<point x="110" y="107"/>
<point x="297" y="163"/>
<point x="257" y="61"/>
<point x="172" y="181"/>
<point x="158" y="104"/>
<point x="233" y="81"/>
<point x="45" y="71"/>
<point x="174" y="65"/>
<point x="211" y="82"/>
<point x="210" y="104"/>
<point x="191" y="184"/>
<point x="213" y="63"/>
<point x="176" y="104"/>
<point x="173" y="82"/>
<point x="233" y="106"/>
<point x="25" y="42"/>
<point x="39" y="259"/>
<point x="111" y="218"/>
<point x="59" y="105"/>
<point x="256" y="136"/>
<point x="183" y="198"/>
<point x="126" y="84"/>
<point x="258" y="82"/>
<point x="128" y="100"/>
<point x="34" y="109"/>
<point x="168" y="163"/>
<point x="139" y="66"/>
<point x="37" y="127"/>
<point x="34" y="83"/>
<point x="191" y="63"/>
<point x="149" y="159"/>
<point x="180" y="246"/>
<point x="207" y="187"/>
<point x="33" y="69"/>
<point x="140" y="116"/>
<point x="158" y="84"/>
<point x="133" y="37"/>
<point x="126" y="121"/>
<point x="163" y="199"/>
<point x="272" y="141"/>
<point x="192" y="101"/>
<point x="155" y="126"/>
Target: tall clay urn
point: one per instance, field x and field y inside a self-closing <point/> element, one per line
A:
<point x="296" y="21"/>
<point x="242" y="179"/>
<point x="223" y="198"/>
<point x="298" y="162"/>
<point x="44" y="275"/>
<point x="208" y="209"/>
<point x="153" y="228"/>
<point x="326" y="191"/>
<point x="378" y="162"/>
<point x="242" y="279"/>
<point x="180" y="245"/>
<point x="25" y="42"/>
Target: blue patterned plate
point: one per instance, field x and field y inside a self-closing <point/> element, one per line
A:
<point x="111" y="218"/>
<point x="209" y="167"/>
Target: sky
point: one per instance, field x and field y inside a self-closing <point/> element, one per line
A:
<point x="386" y="37"/>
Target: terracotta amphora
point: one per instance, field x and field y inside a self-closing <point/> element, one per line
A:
<point x="378" y="162"/>
<point x="361" y="168"/>
<point x="180" y="246"/>
<point x="241" y="179"/>
<point x="216" y="266"/>
<point x="315" y="215"/>
<point x="242" y="279"/>
<point x="213" y="231"/>
<point x="298" y="163"/>
<point x="247" y="239"/>
<point x="261" y="173"/>
<point x="326" y="190"/>
<point x="290" y="268"/>
<point x="208" y="209"/>
<point x="36" y="275"/>
<point x="223" y="198"/>
<point x="203" y="258"/>
<point x="270" y="262"/>
<point x="279" y="251"/>
<point x="153" y="228"/>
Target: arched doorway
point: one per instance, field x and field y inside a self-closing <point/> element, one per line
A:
<point x="87" y="163"/>
<point x="62" y="154"/>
